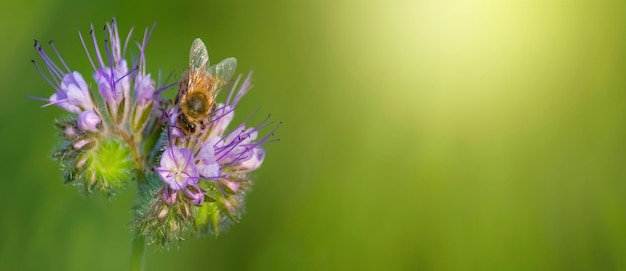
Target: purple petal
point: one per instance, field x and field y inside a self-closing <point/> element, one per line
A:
<point x="207" y="166"/>
<point x="222" y="119"/>
<point x="254" y="161"/>
<point x="176" y="169"/>
<point x="144" y="89"/>
<point x="60" y="99"/>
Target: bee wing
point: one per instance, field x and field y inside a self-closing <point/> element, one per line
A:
<point x="198" y="56"/>
<point x="224" y="70"/>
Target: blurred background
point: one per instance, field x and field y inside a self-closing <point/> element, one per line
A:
<point x="418" y="135"/>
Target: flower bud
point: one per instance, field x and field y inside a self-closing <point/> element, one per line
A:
<point x="81" y="143"/>
<point x="233" y="186"/>
<point x="144" y="90"/>
<point x="89" y="121"/>
<point x="195" y="193"/>
<point x="70" y="132"/>
<point x="169" y="195"/>
<point x="163" y="212"/>
<point x="112" y="164"/>
<point x="105" y="166"/>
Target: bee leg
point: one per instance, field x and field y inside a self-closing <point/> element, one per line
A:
<point x="202" y="126"/>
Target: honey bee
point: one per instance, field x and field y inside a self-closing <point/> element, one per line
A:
<point x="199" y="87"/>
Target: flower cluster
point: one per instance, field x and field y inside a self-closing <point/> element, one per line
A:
<point x="99" y="140"/>
<point x="206" y="174"/>
<point x="123" y="130"/>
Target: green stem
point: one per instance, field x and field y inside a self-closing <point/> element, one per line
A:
<point x="137" y="253"/>
<point x="138" y="245"/>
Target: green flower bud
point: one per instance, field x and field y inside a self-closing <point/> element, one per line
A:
<point x="111" y="166"/>
<point x="94" y="163"/>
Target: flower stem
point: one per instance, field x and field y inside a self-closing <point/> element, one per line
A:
<point x="138" y="245"/>
<point x="137" y="253"/>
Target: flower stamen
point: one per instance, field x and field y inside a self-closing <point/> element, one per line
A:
<point x="44" y="75"/>
<point x="51" y="43"/>
<point x="86" y="50"/>
<point x="97" y="49"/>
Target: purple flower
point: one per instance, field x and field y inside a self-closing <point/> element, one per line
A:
<point x="178" y="168"/>
<point x="253" y="160"/>
<point x="144" y="90"/>
<point x="110" y="88"/>
<point x="72" y="93"/>
<point x="113" y="80"/>
<point x="111" y="71"/>
<point x="89" y="121"/>
<point x="240" y="150"/>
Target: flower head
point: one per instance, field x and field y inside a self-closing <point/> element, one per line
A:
<point x="223" y="161"/>
<point x="111" y="116"/>
<point x="205" y="173"/>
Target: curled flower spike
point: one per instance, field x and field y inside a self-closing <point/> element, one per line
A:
<point x="204" y="168"/>
<point x="93" y="135"/>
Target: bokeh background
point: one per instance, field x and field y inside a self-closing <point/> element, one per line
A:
<point x="418" y="135"/>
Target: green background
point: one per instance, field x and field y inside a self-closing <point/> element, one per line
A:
<point x="418" y="135"/>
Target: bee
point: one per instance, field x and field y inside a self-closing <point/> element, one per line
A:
<point x="199" y="87"/>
